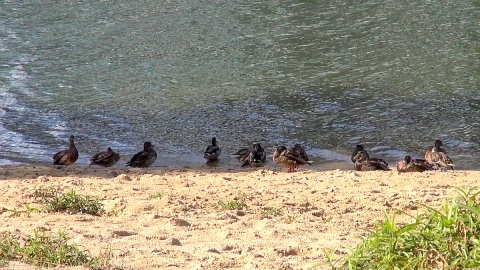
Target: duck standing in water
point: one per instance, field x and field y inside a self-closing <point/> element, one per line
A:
<point x="254" y="156"/>
<point x="364" y="163"/>
<point x="145" y="158"/>
<point x="66" y="157"/>
<point x="408" y="164"/>
<point x="291" y="158"/>
<point x="213" y="151"/>
<point x="358" y="148"/>
<point x="105" y="159"/>
<point x="438" y="155"/>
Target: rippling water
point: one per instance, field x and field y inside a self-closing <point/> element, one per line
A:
<point x="392" y="75"/>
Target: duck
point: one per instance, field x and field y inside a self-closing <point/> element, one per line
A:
<point x="364" y="163"/>
<point x="254" y="156"/>
<point x="408" y="164"/>
<point x="105" y="159"/>
<point x="436" y="154"/>
<point x="291" y="158"/>
<point x="358" y="149"/>
<point x="439" y="157"/>
<point x="68" y="156"/>
<point x="145" y="158"/>
<point x="213" y="151"/>
<point x="438" y="144"/>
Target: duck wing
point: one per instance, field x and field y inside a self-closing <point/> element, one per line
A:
<point x="60" y="157"/>
<point x="294" y="156"/>
<point x="378" y="164"/>
<point x="138" y="159"/>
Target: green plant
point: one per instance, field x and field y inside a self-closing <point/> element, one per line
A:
<point x="446" y="238"/>
<point x="69" y="202"/>
<point x="16" y="213"/>
<point x="47" y="251"/>
<point x="232" y="205"/>
<point x="271" y="211"/>
<point x="156" y="195"/>
<point x="44" y="194"/>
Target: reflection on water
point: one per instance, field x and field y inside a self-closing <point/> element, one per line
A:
<point x="394" y="76"/>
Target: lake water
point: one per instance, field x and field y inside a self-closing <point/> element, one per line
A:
<point x="392" y="75"/>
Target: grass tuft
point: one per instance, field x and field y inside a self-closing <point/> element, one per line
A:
<point x="232" y="205"/>
<point x="47" y="251"/>
<point x="446" y="238"/>
<point x="156" y="195"/>
<point x="70" y="202"/>
<point x="271" y="211"/>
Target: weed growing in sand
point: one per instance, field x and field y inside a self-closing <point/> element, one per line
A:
<point x="70" y="202"/>
<point x="232" y="205"/>
<point x="446" y="238"/>
<point x="27" y="212"/>
<point x="156" y="195"/>
<point x="271" y="211"/>
<point x="47" y="251"/>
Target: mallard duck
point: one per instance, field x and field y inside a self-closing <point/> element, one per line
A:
<point x="291" y="158"/>
<point x="254" y="156"/>
<point x="408" y="164"/>
<point x="358" y="149"/>
<point x="440" y="158"/>
<point x="105" y="159"/>
<point x="145" y="158"/>
<point x="66" y="157"/>
<point x="438" y="144"/>
<point x="438" y="155"/>
<point x="213" y="151"/>
<point x="363" y="163"/>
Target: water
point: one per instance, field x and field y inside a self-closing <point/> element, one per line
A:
<point x="392" y="75"/>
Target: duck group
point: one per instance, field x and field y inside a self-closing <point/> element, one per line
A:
<point x="436" y="158"/>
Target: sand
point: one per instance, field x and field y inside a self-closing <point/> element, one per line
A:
<point x="187" y="229"/>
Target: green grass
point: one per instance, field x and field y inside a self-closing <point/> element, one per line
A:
<point x="232" y="205"/>
<point x="156" y="195"/>
<point x="271" y="211"/>
<point x="47" y="251"/>
<point x="70" y="202"/>
<point x="445" y="238"/>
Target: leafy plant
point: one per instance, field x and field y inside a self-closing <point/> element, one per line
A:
<point x="232" y="205"/>
<point x="446" y="238"/>
<point x="156" y="195"/>
<point x="47" y="251"/>
<point x="69" y="202"/>
<point x="271" y="211"/>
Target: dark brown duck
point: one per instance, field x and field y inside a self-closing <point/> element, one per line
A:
<point x="145" y="158"/>
<point x="105" y="159"/>
<point x="66" y="157"/>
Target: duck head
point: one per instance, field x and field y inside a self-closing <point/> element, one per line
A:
<point x="361" y="155"/>
<point x="359" y="148"/>
<point x="279" y="151"/>
<point x="407" y="159"/>
<point x="214" y="141"/>
<point x="438" y="143"/>
<point x="147" y="146"/>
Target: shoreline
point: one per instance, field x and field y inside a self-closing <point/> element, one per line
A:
<point x="317" y="210"/>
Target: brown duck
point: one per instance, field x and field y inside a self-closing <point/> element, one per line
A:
<point x="105" y="159"/>
<point x="439" y="157"/>
<point x="358" y="148"/>
<point x="145" y="158"/>
<point x="364" y="163"/>
<point x="213" y="151"/>
<point x="254" y="156"/>
<point x="408" y="164"/>
<point x="66" y="157"/>
<point x="291" y="158"/>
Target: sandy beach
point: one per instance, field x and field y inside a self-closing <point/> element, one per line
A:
<point x="168" y="218"/>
